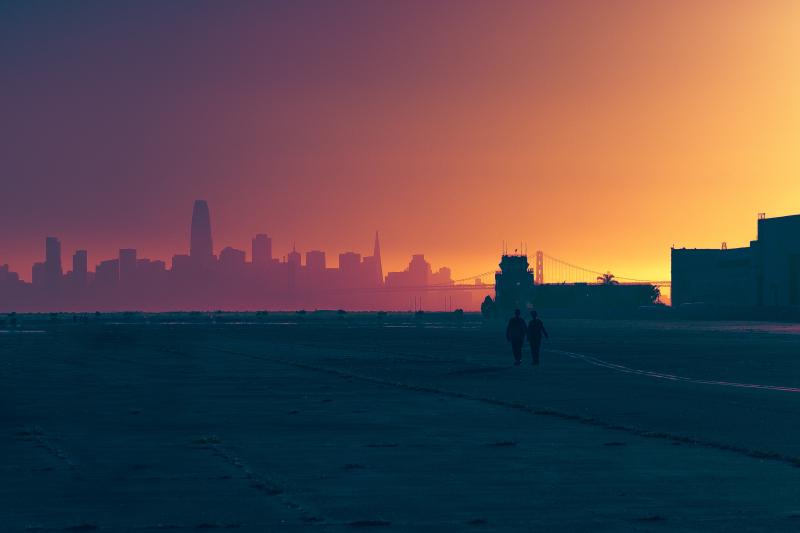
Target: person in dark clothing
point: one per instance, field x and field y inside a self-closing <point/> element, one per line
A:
<point x="515" y="334"/>
<point x="535" y="332"/>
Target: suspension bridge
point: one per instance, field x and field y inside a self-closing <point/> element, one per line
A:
<point x="552" y="270"/>
<point x="546" y="269"/>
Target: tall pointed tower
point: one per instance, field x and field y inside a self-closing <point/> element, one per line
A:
<point x="376" y="253"/>
<point x="201" y="249"/>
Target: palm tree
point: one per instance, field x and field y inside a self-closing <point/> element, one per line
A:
<point x="655" y="294"/>
<point x="607" y="279"/>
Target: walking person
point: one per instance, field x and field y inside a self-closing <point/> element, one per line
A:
<point x="515" y="334"/>
<point x="535" y="332"/>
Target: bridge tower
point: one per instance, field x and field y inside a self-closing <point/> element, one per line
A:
<point x="539" y="277"/>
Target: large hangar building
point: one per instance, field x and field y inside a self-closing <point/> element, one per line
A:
<point x="765" y="274"/>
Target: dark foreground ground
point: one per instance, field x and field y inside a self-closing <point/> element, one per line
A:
<point x="359" y="423"/>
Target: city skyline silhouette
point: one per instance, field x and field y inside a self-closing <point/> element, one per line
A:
<point x="231" y="279"/>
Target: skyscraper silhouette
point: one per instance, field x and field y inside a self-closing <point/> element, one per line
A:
<point x="376" y="253"/>
<point x="294" y="258"/>
<point x="201" y="249"/>
<point x="127" y="265"/>
<point x="350" y="270"/>
<point x="80" y="268"/>
<point x="232" y="261"/>
<point x="261" y="250"/>
<point x="38" y="275"/>
<point x="52" y="264"/>
<point x="315" y="261"/>
<point x="106" y="274"/>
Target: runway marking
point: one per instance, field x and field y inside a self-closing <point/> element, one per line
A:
<point x="670" y="377"/>
<point x="262" y="483"/>
<point x="38" y="436"/>
<point x="590" y="421"/>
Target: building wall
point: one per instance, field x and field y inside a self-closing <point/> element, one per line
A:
<point x="767" y="273"/>
<point x="778" y="259"/>
<point x="592" y="295"/>
<point x="261" y="249"/>
<point x="711" y="276"/>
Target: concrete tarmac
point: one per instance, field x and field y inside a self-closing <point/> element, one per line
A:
<point x="336" y="423"/>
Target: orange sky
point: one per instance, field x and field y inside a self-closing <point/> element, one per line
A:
<point x="602" y="133"/>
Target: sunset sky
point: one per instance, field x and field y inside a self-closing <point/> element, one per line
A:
<point x="600" y="132"/>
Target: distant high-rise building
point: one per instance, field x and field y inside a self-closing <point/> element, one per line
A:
<point x="376" y="253"/>
<point x="369" y="272"/>
<point x="7" y="277"/>
<point x="150" y="273"/>
<point x="106" y="274"/>
<point x="261" y="249"/>
<point x="232" y="255"/>
<point x="150" y="265"/>
<point x="315" y="261"/>
<point x="349" y="262"/>
<point x="418" y="274"/>
<point x="231" y="261"/>
<point x="293" y="268"/>
<point x="315" y="273"/>
<point x="127" y="265"/>
<point x="444" y="276"/>
<point x="37" y="275"/>
<point x="181" y="264"/>
<point x="80" y="268"/>
<point x="419" y="271"/>
<point x="201" y="249"/>
<point x="52" y="264"/>
<point x="294" y="258"/>
<point x="371" y="266"/>
<point x="350" y="269"/>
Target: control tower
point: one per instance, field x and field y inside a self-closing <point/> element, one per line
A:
<point x="513" y="284"/>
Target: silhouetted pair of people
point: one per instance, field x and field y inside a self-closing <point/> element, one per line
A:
<point x="517" y="330"/>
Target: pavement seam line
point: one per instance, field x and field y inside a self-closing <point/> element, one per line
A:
<point x="670" y="377"/>
<point x="747" y="452"/>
